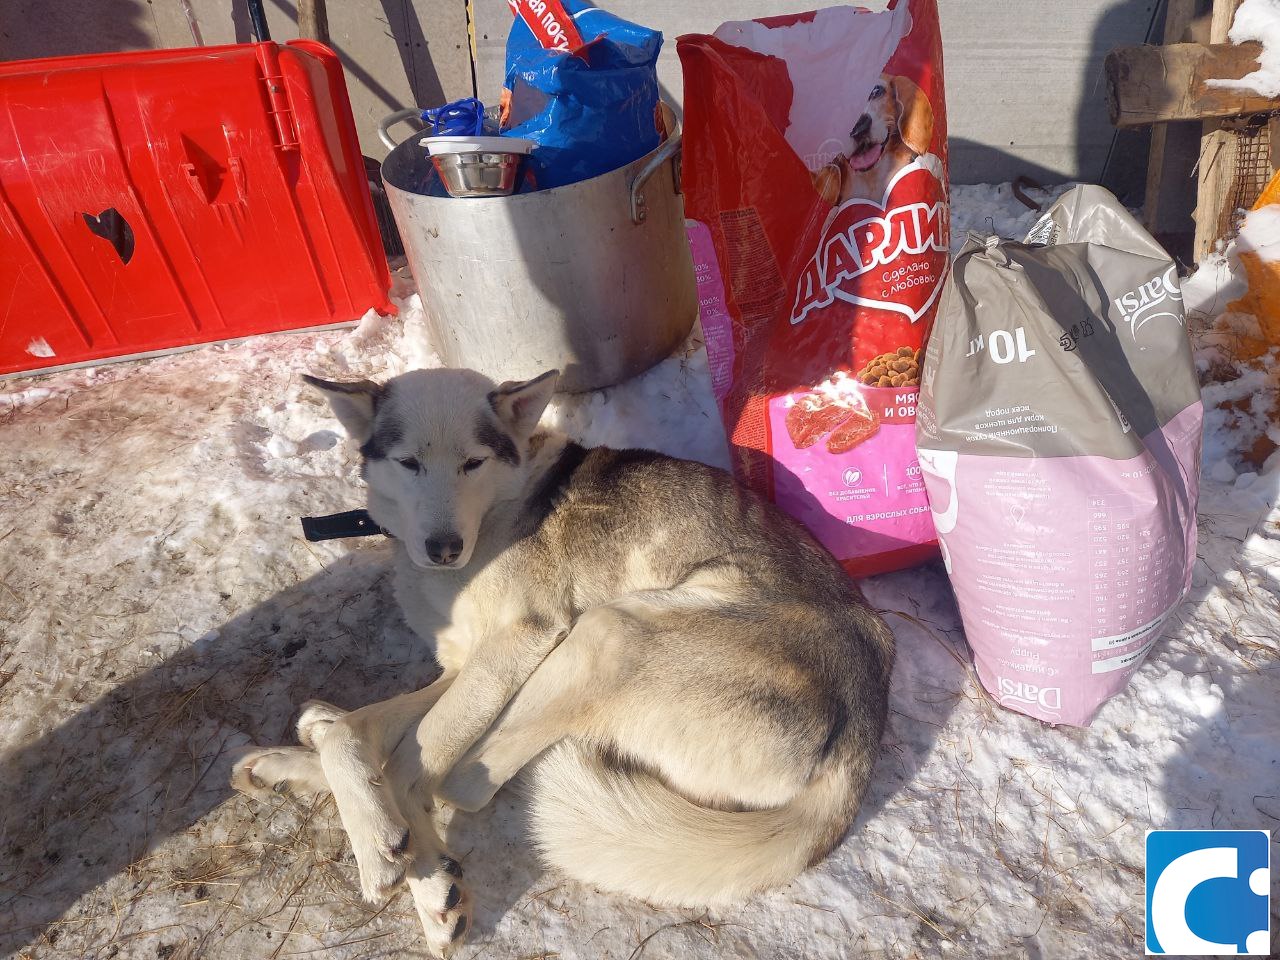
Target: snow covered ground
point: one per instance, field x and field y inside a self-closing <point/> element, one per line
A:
<point x="159" y="609"/>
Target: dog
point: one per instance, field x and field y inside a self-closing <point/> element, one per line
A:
<point x="693" y="687"/>
<point x="895" y="127"/>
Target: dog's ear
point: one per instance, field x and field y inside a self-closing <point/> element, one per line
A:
<point x="519" y="404"/>
<point x="827" y="182"/>
<point x="353" y="404"/>
<point x="915" y="115"/>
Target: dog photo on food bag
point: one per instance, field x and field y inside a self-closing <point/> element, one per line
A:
<point x="895" y="128"/>
<point x="691" y="685"/>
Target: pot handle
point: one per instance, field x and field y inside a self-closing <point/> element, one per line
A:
<point x="390" y="120"/>
<point x="669" y="149"/>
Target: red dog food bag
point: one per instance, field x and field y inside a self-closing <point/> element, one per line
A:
<point x="815" y="177"/>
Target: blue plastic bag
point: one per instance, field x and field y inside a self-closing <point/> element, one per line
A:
<point x="588" y="113"/>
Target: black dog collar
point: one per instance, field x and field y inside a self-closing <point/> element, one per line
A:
<point x="353" y="523"/>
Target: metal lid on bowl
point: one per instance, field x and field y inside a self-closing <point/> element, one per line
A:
<point x="439" y="146"/>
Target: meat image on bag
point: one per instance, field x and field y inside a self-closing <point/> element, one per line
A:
<point x="1059" y="431"/>
<point x="815" y="181"/>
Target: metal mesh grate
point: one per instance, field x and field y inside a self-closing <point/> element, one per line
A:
<point x="1249" y="156"/>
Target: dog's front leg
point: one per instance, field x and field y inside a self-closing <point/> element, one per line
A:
<point x="353" y="754"/>
<point x="488" y="681"/>
<point x="493" y="674"/>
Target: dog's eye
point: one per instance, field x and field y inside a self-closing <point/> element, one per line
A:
<point x="473" y="464"/>
<point x="409" y="463"/>
<point x="877" y="91"/>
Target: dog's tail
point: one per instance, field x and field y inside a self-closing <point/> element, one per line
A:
<point x="625" y="831"/>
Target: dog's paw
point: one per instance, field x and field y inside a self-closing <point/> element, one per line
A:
<point x="443" y="903"/>
<point x="383" y="849"/>
<point x="291" y="771"/>
<point x="315" y="720"/>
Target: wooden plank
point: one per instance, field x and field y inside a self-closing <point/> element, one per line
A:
<point x="1156" y="84"/>
<point x="1021" y="98"/>
<point x="1216" y="166"/>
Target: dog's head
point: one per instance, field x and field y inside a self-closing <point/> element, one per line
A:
<point x="896" y="106"/>
<point x="440" y="448"/>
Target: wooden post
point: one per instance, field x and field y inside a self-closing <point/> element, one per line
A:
<point x="1162" y="166"/>
<point x="313" y="20"/>
<point x="1217" y="152"/>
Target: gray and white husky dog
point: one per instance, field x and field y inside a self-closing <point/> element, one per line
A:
<point x="694" y="689"/>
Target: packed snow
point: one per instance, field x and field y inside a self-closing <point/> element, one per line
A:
<point x="160" y="610"/>
<point x="1242" y="397"/>
<point x="1257" y="20"/>
<point x="1260" y="233"/>
<point x="39" y="347"/>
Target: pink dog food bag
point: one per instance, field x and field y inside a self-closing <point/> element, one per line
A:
<point x="1059" y="434"/>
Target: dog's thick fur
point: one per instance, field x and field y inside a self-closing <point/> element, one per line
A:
<point x="894" y="129"/>
<point x="693" y="686"/>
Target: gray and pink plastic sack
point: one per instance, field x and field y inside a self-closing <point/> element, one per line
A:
<point x="1059" y="435"/>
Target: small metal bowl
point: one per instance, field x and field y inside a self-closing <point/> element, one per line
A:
<point x="478" y="166"/>
<point x="478" y="174"/>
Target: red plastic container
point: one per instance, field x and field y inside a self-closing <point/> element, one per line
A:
<point x="159" y="199"/>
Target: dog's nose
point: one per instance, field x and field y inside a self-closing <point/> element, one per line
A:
<point x="862" y="126"/>
<point x="444" y="548"/>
